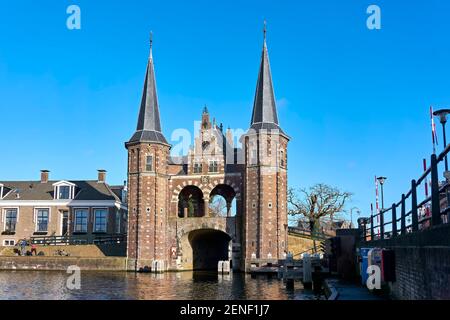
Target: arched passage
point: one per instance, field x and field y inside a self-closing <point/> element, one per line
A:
<point x="209" y="246"/>
<point x="191" y="202"/>
<point x="222" y="201"/>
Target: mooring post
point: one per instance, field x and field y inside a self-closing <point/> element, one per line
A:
<point x="307" y="271"/>
<point x="435" y="203"/>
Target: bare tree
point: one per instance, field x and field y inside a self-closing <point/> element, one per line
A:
<point x="218" y="206"/>
<point x="319" y="202"/>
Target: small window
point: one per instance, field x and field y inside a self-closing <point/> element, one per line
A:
<point x="42" y="220"/>
<point x="149" y="163"/>
<point x="10" y="220"/>
<point x="197" y="167"/>
<point x="270" y="205"/>
<point x="282" y="158"/>
<point x="81" y="221"/>
<point x="213" y="166"/>
<point x="100" y="220"/>
<point x="64" y="192"/>
<point x="253" y="156"/>
<point x="9" y="243"/>
<point x="253" y="205"/>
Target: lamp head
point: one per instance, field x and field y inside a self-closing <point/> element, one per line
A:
<point x="442" y="114"/>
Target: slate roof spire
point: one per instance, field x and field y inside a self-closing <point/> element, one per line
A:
<point x="264" y="107"/>
<point x="149" y="125"/>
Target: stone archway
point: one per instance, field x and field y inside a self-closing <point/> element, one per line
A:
<point x="227" y="195"/>
<point x="191" y="202"/>
<point x="209" y="246"/>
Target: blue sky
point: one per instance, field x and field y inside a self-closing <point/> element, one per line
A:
<point x="355" y="101"/>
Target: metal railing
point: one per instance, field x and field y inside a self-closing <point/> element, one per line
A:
<point x="408" y="215"/>
<point x="78" y="240"/>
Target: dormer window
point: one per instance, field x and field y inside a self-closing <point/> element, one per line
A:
<point x="64" y="190"/>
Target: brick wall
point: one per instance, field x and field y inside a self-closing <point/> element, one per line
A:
<point x="422" y="273"/>
<point x="422" y="263"/>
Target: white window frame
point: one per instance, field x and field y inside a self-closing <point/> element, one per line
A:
<point x="61" y="216"/>
<point x="9" y="245"/>
<point x="4" y="217"/>
<point x="95" y="218"/>
<point x="209" y="166"/>
<point x="64" y="183"/>
<point x="199" y="166"/>
<point x="35" y="218"/>
<point x="75" y="220"/>
<point x="152" y="163"/>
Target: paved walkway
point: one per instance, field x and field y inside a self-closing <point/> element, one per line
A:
<point x="351" y="291"/>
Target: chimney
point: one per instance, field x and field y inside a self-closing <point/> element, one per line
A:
<point x="101" y="176"/>
<point x="44" y="176"/>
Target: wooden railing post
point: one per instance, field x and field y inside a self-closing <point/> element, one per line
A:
<point x="435" y="201"/>
<point x="394" y="220"/>
<point x="414" y="218"/>
<point x="382" y="224"/>
<point x="371" y="228"/>
<point x="403" y="216"/>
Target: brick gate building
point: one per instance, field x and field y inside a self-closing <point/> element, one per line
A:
<point x="171" y="217"/>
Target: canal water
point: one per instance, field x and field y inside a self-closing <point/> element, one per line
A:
<point x="52" y="285"/>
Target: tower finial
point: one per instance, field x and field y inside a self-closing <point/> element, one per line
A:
<point x="265" y="29"/>
<point x="151" y="39"/>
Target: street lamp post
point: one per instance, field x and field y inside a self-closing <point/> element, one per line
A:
<point x="442" y="114"/>
<point x="382" y="180"/>
<point x="351" y="215"/>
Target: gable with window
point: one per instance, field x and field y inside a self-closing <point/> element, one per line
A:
<point x="197" y="167"/>
<point x="213" y="166"/>
<point x="64" y="190"/>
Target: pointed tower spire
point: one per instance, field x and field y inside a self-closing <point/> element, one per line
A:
<point x="149" y="125"/>
<point x="264" y="107"/>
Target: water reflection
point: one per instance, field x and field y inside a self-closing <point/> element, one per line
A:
<point x="51" y="285"/>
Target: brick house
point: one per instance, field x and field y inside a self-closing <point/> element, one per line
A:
<point x="55" y="208"/>
<point x="173" y="221"/>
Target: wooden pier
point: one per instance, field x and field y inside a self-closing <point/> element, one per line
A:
<point x="289" y="270"/>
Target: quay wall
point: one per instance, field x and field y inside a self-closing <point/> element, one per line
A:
<point x="62" y="263"/>
<point x="422" y="263"/>
<point x="91" y="250"/>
